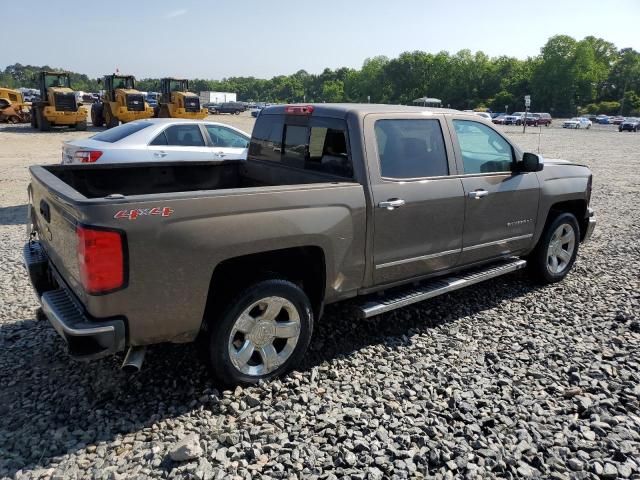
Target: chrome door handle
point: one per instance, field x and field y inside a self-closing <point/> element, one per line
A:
<point x="221" y="154"/>
<point x="160" y="154"/>
<point x="478" y="194"/>
<point x="392" y="203"/>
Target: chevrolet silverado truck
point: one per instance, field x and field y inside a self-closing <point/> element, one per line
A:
<point x="380" y="205"/>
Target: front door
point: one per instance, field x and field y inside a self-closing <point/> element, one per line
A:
<point x="418" y="208"/>
<point x="501" y="206"/>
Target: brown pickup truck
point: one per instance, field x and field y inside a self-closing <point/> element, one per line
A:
<point x="389" y="204"/>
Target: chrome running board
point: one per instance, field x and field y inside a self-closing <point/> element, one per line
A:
<point x="401" y="297"/>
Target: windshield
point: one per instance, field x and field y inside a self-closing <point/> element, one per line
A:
<point x="178" y="85"/>
<point x="123" y="82"/>
<point x="56" y="81"/>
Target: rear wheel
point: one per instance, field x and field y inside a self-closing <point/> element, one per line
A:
<point x="34" y="118"/>
<point x="262" y="334"/>
<point x="81" y="126"/>
<point x="553" y="257"/>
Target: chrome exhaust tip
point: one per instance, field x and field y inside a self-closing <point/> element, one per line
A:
<point x="133" y="360"/>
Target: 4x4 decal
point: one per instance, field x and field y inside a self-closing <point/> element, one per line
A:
<point x="141" y="212"/>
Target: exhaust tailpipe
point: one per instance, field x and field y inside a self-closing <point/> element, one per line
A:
<point x="133" y="360"/>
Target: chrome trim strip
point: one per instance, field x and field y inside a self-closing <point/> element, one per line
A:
<point x="497" y="242"/>
<point x="417" y="259"/>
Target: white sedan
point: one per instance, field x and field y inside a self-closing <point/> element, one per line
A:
<point x="160" y="139"/>
<point x="577" y="122"/>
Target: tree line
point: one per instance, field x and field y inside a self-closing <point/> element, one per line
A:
<point x="567" y="77"/>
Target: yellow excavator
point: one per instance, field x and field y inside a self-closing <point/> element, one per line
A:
<point x="121" y="102"/>
<point x="57" y="105"/>
<point x="13" y="108"/>
<point x="176" y="101"/>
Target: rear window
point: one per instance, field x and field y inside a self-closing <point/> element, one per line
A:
<point x="316" y="143"/>
<point x="118" y="133"/>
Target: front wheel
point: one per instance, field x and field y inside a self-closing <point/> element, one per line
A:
<point x="262" y="334"/>
<point x="556" y="250"/>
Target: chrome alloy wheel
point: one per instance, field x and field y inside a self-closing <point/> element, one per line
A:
<point x="561" y="247"/>
<point x="264" y="336"/>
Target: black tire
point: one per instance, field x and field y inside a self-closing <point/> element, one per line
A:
<point x="34" y="118"/>
<point x="43" y="123"/>
<point x="539" y="260"/>
<point x="81" y="126"/>
<point x="97" y="117"/>
<point x="219" y="330"/>
<point x="109" y="120"/>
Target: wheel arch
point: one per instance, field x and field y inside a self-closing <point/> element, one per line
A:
<point x="577" y="207"/>
<point x="305" y="266"/>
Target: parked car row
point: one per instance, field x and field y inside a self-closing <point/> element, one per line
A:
<point x="518" y="118"/>
<point x="228" y="107"/>
<point x="631" y="124"/>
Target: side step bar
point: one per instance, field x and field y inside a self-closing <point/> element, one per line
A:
<point x="401" y="297"/>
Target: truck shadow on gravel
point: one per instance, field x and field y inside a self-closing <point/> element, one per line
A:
<point x="51" y="405"/>
<point x="14" y="215"/>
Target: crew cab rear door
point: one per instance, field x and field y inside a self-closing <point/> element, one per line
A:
<point x="418" y="206"/>
<point x="501" y="205"/>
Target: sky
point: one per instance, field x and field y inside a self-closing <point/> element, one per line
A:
<point x="262" y="38"/>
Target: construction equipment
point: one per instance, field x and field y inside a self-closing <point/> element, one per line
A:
<point x="121" y="102"/>
<point x="13" y="108"/>
<point x="57" y="105"/>
<point x="176" y="101"/>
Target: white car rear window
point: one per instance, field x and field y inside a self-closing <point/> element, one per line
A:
<point x="118" y="133"/>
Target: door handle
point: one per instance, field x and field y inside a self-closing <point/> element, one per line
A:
<point x="392" y="203"/>
<point x="160" y="154"/>
<point x="477" y="194"/>
<point x="221" y="154"/>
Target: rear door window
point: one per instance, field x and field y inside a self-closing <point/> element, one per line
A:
<point x="411" y="148"/>
<point x="184" y="136"/>
<point x="266" y="140"/>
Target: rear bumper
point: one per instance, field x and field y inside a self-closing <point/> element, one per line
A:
<point x="87" y="338"/>
<point x="591" y="225"/>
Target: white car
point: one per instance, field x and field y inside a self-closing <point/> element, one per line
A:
<point x="485" y="115"/>
<point x="160" y="139"/>
<point x="577" y="122"/>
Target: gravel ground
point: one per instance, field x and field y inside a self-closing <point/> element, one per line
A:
<point x="502" y="380"/>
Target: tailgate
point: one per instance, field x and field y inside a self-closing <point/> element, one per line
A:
<point x="55" y="219"/>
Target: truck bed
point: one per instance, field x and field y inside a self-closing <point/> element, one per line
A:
<point x="97" y="181"/>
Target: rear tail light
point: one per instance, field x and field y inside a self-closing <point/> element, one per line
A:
<point x="298" y="109"/>
<point x="101" y="257"/>
<point x="87" y="156"/>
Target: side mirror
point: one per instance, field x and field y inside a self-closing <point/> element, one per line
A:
<point x="531" y="162"/>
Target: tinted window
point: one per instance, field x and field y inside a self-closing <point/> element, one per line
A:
<point x="266" y="139"/>
<point x="184" y="136"/>
<point x="161" y="139"/>
<point x="411" y="148"/>
<point x="225" y="137"/>
<point x="483" y="150"/>
<point x="315" y="143"/>
<point x="120" y="132"/>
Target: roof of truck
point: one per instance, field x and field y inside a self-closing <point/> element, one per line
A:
<point x="342" y="109"/>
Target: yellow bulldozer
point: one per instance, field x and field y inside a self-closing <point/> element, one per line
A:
<point x="121" y="102"/>
<point x="57" y="105"/>
<point x="13" y="108"/>
<point x="176" y="101"/>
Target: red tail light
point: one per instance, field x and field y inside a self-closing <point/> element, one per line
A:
<point x="101" y="258"/>
<point x="87" y="156"/>
<point x="298" y="109"/>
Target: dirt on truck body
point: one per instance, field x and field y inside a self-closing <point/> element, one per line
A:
<point x="384" y="205"/>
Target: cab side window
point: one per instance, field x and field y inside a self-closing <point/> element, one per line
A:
<point x="411" y="148"/>
<point x="483" y="150"/>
